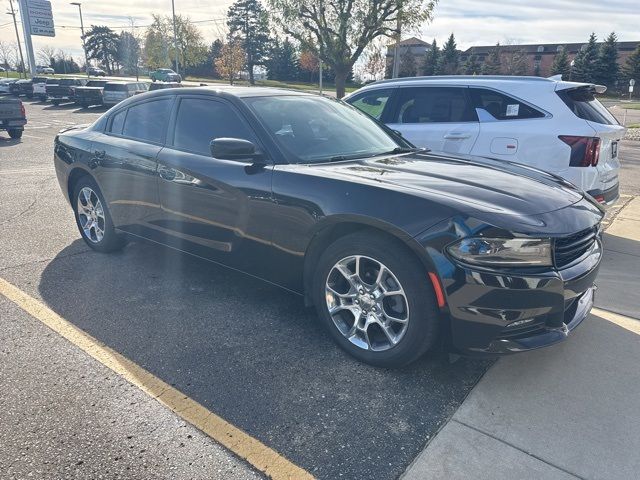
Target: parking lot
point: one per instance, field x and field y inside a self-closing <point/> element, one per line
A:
<point x="248" y="352"/>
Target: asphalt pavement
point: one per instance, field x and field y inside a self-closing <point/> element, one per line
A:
<point x="245" y="350"/>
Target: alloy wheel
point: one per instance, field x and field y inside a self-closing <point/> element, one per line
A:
<point x="367" y="303"/>
<point x="91" y="215"/>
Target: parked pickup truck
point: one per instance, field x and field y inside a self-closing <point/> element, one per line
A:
<point x="90" y="94"/>
<point x="64" y="91"/>
<point x="43" y="92"/>
<point x="38" y="85"/>
<point x="12" y="116"/>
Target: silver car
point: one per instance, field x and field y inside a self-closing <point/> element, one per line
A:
<point x="115" y="92"/>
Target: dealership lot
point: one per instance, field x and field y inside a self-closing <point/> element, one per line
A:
<point x="247" y="351"/>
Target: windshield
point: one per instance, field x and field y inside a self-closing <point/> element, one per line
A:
<point x="317" y="129"/>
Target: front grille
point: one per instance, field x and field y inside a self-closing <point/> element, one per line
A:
<point x="568" y="249"/>
<point x="531" y="329"/>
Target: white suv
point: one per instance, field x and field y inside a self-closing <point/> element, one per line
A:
<point x="547" y="123"/>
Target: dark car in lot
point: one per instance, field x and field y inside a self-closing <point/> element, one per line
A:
<point x="162" y="85"/>
<point x="12" y="116"/>
<point x="90" y="94"/>
<point x="64" y="90"/>
<point x="400" y="250"/>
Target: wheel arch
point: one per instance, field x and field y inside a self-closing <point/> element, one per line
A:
<point x="76" y="174"/>
<point x="331" y="229"/>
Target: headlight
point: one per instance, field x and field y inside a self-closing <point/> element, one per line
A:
<point x="503" y="252"/>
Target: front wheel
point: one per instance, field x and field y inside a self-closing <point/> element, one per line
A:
<point x="375" y="298"/>
<point x="93" y="218"/>
<point x="15" y="133"/>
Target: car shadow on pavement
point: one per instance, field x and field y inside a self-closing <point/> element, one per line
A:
<point x="253" y="354"/>
<point x="6" y="141"/>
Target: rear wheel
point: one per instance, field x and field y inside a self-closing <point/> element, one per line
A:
<point x="15" y="133"/>
<point x="93" y="218"/>
<point x="376" y="300"/>
<point x="56" y="102"/>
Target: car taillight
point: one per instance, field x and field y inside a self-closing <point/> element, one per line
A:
<point x="585" y="151"/>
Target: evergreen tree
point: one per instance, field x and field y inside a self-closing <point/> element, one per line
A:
<point x="449" y="57"/>
<point x="493" y="64"/>
<point x="584" y="63"/>
<point x="407" y="67"/>
<point x="247" y="21"/>
<point x="560" y="64"/>
<point x="632" y="67"/>
<point x="282" y="62"/>
<point x="431" y="60"/>
<point x="471" y="66"/>
<point x="102" y="44"/>
<point x="606" y="68"/>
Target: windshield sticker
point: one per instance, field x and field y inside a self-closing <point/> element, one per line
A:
<point x="512" y="110"/>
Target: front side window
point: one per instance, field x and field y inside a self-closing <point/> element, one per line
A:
<point x="199" y="121"/>
<point x="372" y="103"/>
<point x="434" y="105"/>
<point x="315" y="129"/>
<point x="148" y="121"/>
<point x="501" y="106"/>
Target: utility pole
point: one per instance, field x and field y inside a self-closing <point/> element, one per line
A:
<point x="175" y="34"/>
<point x="15" y="24"/>
<point x="84" y="46"/>
<point x="396" y="51"/>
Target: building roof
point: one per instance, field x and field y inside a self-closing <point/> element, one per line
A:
<point x="410" y="42"/>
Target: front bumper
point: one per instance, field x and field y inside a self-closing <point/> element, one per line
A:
<point x="501" y="313"/>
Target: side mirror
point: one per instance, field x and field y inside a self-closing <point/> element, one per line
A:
<point x="234" y="149"/>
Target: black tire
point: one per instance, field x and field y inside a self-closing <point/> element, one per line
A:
<point x="55" y="102"/>
<point x="111" y="241"/>
<point x="423" y="314"/>
<point x="15" y="133"/>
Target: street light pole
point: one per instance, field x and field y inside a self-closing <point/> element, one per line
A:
<point x="15" y="24"/>
<point x="84" y="46"/>
<point x="175" y="34"/>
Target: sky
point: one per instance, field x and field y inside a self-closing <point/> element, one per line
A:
<point x="474" y="22"/>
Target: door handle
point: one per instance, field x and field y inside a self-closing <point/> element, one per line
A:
<point x="168" y="174"/>
<point x="457" y="136"/>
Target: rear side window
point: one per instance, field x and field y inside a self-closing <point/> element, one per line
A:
<point x="501" y="106"/>
<point x="200" y="121"/>
<point x="584" y="104"/>
<point x="117" y="122"/>
<point x="115" y="87"/>
<point x="434" y="105"/>
<point x="372" y="103"/>
<point x="148" y="121"/>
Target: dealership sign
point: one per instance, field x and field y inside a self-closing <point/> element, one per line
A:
<point x="41" y="18"/>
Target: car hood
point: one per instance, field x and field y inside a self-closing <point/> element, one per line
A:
<point x="469" y="184"/>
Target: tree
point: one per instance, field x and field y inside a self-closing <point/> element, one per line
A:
<point x="342" y="29"/>
<point x="560" y="64"/>
<point x="45" y="55"/>
<point x="156" y="43"/>
<point x="191" y="47"/>
<point x="606" y="69"/>
<point x="282" y="63"/>
<point x="231" y="60"/>
<point x="128" y="52"/>
<point x="471" y="66"/>
<point x="247" y="21"/>
<point x="515" y="63"/>
<point x="431" y="63"/>
<point x="407" y="67"/>
<point x="493" y="64"/>
<point x="584" y="62"/>
<point x="375" y="62"/>
<point x="102" y="44"/>
<point x="308" y="62"/>
<point x="449" y="57"/>
<point x="6" y="55"/>
<point x="632" y="66"/>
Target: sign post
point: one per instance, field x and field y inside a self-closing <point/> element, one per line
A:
<point x="37" y="19"/>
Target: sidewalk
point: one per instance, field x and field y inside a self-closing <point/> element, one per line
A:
<point x="569" y="411"/>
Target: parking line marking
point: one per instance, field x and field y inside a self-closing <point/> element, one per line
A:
<point x="628" y="323"/>
<point x="237" y="441"/>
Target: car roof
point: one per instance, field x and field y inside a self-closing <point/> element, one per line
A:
<point x="242" y="91"/>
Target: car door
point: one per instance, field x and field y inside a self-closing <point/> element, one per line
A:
<point x="440" y="118"/>
<point x="212" y="207"/>
<point x="124" y="157"/>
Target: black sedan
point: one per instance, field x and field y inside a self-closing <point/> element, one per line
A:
<point x="400" y="250"/>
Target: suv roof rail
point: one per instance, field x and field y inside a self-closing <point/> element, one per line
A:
<point x="465" y="77"/>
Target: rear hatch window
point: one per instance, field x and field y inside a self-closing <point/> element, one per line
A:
<point x="583" y="103"/>
<point x="115" y="87"/>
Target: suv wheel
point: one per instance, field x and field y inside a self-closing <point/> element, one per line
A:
<point x="93" y="218"/>
<point x="376" y="300"/>
<point x="15" y="133"/>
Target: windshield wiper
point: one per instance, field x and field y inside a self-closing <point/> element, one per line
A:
<point x="404" y="150"/>
<point x="340" y="158"/>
